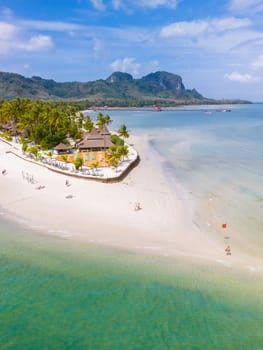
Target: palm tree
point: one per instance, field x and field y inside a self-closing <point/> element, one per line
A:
<point x="25" y="123"/>
<point x="123" y="151"/>
<point x="108" y="120"/>
<point x="123" y="132"/>
<point x="113" y="156"/>
<point x="54" y="119"/>
<point x="64" y="158"/>
<point x="24" y="146"/>
<point x="94" y="165"/>
<point x="33" y="118"/>
<point x="80" y="120"/>
<point x="12" y="111"/>
<point x="88" y="125"/>
<point x="78" y="162"/>
<point x="103" y="119"/>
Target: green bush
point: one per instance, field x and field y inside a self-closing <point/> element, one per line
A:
<point x="24" y="146"/>
<point x="33" y="150"/>
<point x="78" y="162"/>
<point x="116" y="140"/>
<point x="7" y="135"/>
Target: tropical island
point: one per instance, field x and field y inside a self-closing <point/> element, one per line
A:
<point x="118" y="90"/>
<point x="45" y="118"/>
<point x="61" y="138"/>
<point x="52" y="147"/>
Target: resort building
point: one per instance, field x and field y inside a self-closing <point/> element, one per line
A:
<point x="61" y="148"/>
<point x="9" y="126"/>
<point x="96" y="140"/>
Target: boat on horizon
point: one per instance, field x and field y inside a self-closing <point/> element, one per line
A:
<point x="157" y="108"/>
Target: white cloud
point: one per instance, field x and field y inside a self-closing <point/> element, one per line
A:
<point x="39" y="43"/>
<point x="258" y="63"/>
<point x="228" y="36"/>
<point x="197" y="28"/>
<point x="127" y="65"/>
<point x="156" y="3"/>
<point x="129" y="5"/>
<point x="193" y="28"/>
<point x="6" y="12"/>
<point x="10" y="42"/>
<point x="229" y="23"/>
<point x="50" y="26"/>
<point x="14" y="36"/>
<point x="117" y="4"/>
<point x="98" y="48"/>
<point x="98" y="4"/>
<point x="241" y="78"/>
<point x="243" y="6"/>
<point x="7" y="31"/>
<point x="153" y="65"/>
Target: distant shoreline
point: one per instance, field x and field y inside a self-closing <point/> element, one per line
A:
<point x="186" y="108"/>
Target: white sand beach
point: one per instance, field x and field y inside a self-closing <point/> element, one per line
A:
<point x="104" y="213"/>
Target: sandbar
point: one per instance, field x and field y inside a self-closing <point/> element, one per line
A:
<point x="104" y="213"/>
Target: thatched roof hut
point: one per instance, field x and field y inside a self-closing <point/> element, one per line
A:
<point x="62" y="148"/>
<point x="103" y="130"/>
<point x="96" y="140"/>
<point x="9" y="126"/>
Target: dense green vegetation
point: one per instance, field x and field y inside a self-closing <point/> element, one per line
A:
<point x="41" y="122"/>
<point x="118" y="90"/>
<point x="43" y="125"/>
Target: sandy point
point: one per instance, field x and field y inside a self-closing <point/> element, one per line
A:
<point x="105" y="212"/>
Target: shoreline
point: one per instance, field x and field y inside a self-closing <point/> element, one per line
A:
<point x="103" y="213"/>
<point x="186" y="108"/>
<point x="107" y="174"/>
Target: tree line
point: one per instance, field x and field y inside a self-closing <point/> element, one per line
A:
<point x="43" y="125"/>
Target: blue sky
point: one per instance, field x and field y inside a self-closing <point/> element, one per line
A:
<point x="215" y="45"/>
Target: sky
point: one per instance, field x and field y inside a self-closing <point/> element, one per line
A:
<point x="216" y="46"/>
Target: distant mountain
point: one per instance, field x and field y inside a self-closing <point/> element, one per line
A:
<point x="119" y="88"/>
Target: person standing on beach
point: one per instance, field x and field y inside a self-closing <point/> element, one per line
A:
<point x="137" y="206"/>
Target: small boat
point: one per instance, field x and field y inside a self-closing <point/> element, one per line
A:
<point x="157" y="108"/>
<point x="223" y="110"/>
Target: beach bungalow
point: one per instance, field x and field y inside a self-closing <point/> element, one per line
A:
<point x="61" y="148"/>
<point x="96" y="140"/>
<point x="9" y="126"/>
<point x="103" y="130"/>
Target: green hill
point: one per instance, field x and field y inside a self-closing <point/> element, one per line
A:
<point x="119" y="89"/>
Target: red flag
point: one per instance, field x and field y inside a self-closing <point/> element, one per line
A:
<point x="223" y="225"/>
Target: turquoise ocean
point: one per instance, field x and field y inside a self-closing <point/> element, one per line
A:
<point x="59" y="294"/>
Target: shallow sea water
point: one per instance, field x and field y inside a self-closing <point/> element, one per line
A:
<point x="59" y="294"/>
<point x="218" y="159"/>
<point x="56" y="293"/>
